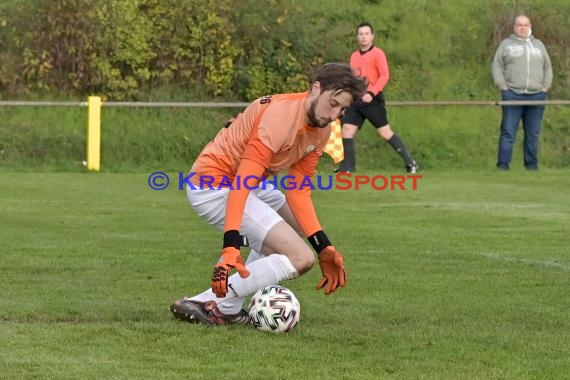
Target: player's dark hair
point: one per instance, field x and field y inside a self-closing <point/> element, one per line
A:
<point x="365" y="23"/>
<point x="339" y="76"/>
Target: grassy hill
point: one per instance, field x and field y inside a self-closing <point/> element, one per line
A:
<point x="437" y="50"/>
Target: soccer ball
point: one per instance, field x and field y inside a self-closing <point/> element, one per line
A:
<point x="275" y="309"/>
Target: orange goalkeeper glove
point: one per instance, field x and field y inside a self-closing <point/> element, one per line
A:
<point x="229" y="259"/>
<point x="332" y="268"/>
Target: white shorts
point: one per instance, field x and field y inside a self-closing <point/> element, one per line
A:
<point x="259" y="216"/>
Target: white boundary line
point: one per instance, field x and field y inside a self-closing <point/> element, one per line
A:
<point x="516" y="260"/>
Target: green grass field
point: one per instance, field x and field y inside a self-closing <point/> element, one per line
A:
<point x="466" y="277"/>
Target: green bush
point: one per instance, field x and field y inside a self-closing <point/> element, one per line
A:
<point x="240" y="50"/>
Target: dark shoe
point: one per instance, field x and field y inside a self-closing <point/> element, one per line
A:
<point x="342" y="169"/>
<point x="532" y="168"/>
<point x="206" y="313"/>
<point x="502" y="167"/>
<point x="413" y="168"/>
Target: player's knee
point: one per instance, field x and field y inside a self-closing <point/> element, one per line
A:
<point x="385" y="132"/>
<point x="304" y="263"/>
<point x="303" y="259"/>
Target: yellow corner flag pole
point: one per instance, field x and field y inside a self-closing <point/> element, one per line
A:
<point x="94" y="133"/>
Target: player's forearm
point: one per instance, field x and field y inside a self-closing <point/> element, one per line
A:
<point x="303" y="210"/>
<point x="248" y="176"/>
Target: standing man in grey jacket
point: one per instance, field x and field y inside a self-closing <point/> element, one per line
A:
<point x="522" y="70"/>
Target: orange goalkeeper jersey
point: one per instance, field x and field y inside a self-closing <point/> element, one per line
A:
<point x="271" y="132"/>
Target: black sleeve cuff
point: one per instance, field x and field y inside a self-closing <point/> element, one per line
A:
<point x="319" y="241"/>
<point x="232" y="238"/>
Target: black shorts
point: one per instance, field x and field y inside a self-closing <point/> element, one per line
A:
<point x="375" y="112"/>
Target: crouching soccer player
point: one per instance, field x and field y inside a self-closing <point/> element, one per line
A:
<point x="274" y="133"/>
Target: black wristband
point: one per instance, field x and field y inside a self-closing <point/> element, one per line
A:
<point x="319" y="241"/>
<point x="371" y="93"/>
<point x="232" y="238"/>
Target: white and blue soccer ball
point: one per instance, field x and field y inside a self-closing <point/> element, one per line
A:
<point x="275" y="309"/>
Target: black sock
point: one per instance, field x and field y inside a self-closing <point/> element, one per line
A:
<point x="399" y="147"/>
<point x="349" y="162"/>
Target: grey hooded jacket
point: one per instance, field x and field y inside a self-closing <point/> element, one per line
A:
<point x="522" y="65"/>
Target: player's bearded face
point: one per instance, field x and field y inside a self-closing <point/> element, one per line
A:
<point x="313" y="119"/>
<point x="327" y="107"/>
